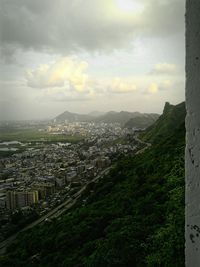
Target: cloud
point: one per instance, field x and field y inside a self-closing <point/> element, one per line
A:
<point x="153" y="88"/>
<point x="162" y="85"/>
<point x="64" y="80"/>
<point x="63" y="95"/>
<point x="69" y="79"/>
<point x="164" y="17"/>
<point x="121" y="86"/>
<point x="65" y="27"/>
<point x="140" y="85"/>
<point x="66" y="72"/>
<point x="166" y="85"/>
<point x="164" y="69"/>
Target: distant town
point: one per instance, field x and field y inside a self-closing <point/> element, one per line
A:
<point x="42" y="173"/>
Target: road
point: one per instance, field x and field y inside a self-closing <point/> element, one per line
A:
<point x="56" y="212"/>
<point x="147" y="145"/>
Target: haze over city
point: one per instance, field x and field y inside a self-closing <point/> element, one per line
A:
<point x="90" y="55"/>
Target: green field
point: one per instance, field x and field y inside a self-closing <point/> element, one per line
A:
<point x="32" y="135"/>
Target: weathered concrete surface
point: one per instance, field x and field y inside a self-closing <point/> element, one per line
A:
<point x="192" y="215"/>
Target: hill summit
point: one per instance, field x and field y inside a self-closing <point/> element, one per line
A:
<point x="73" y="117"/>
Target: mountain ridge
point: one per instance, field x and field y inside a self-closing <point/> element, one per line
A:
<point x="172" y="117"/>
<point x="122" y="117"/>
<point x="67" y="116"/>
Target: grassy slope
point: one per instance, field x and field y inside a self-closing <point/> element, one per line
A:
<point x="135" y="217"/>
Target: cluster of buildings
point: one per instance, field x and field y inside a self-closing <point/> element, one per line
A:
<point x="43" y="175"/>
<point x="85" y="129"/>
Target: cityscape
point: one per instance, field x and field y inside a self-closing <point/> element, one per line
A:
<point x="45" y="175"/>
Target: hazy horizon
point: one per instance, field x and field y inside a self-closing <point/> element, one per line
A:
<point x="82" y="56"/>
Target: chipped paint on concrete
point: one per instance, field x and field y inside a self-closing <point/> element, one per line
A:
<point x="192" y="153"/>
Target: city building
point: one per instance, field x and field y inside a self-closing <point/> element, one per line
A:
<point x="20" y="199"/>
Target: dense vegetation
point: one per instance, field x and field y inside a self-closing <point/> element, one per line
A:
<point x="132" y="217"/>
<point x="136" y="118"/>
<point x="141" y="122"/>
<point x="170" y="120"/>
<point x="16" y="222"/>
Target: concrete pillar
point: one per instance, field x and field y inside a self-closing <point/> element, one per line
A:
<point x="192" y="195"/>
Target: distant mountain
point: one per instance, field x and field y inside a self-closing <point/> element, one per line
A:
<point x="96" y="113"/>
<point x="172" y="118"/>
<point x="123" y="117"/>
<point x="143" y="121"/>
<point x="73" y="117"/>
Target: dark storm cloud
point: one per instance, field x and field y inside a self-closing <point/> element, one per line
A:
<point x="67" y="26"/>
<point x="164" y="17"/>
<point x="59" y="25"/>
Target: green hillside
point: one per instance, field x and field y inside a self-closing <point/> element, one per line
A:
<point x="170" y="120"/>
<point x="132" y="217"/>
<point x="121" y="117"/>
<point x="73" y="117"/>
<point x="142" y="121"/>
<point x="124" y="117"/>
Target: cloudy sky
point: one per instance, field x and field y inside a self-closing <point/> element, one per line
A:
<point x="85" y="55"/>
